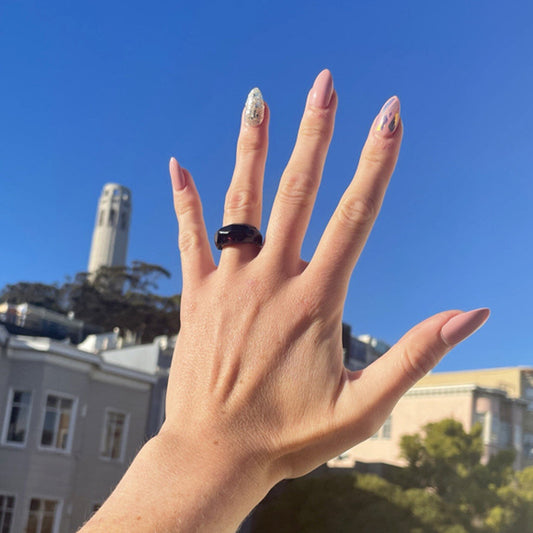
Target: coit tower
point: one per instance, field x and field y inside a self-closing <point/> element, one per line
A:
<point x="110" y="237"/>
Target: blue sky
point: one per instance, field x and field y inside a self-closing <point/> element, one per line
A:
<point x="100" y="91"/>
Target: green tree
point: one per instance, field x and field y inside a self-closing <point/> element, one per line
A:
<point x="445" y="459"/>
<point x="336" y="502"/>
<point x="121" y="297"/>
<point x="48" y="296"/>
<point x="514" y="511"/>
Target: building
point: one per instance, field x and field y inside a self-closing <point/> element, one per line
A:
<point x="27" y="319"/>
<point x="362" y="350"/>
<point x="71" y="420"/>
<point x="111" y="229"/>
<point x="500" y="399"/>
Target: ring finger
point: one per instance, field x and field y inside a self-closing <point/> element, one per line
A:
<point x="244" y="197"/>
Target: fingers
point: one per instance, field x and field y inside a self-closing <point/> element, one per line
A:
<point x="350" y="225"/>
<point x="196" y="258"/>
<point x="378" y="387"/>
<point x="244" y="197"/>
<point x="299" y="183"/>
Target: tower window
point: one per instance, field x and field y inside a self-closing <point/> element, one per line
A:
<point x="123" y="221"/>
<point x="101" y="218"/>
<point x="112" y="217"/>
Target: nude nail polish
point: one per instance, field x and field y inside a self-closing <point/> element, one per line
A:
<point x="389" y="117"/>
<point x="254" y="109"/>
<point x="177" y="176"/>
<point x="461" y="326"/>
<point x="322" y="90"/>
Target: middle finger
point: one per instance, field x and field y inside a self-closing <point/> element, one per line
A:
<point x="299" y="183"/>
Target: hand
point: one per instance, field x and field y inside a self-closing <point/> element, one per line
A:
<point x="258" y="363"/>
<point x="257" y="390"/>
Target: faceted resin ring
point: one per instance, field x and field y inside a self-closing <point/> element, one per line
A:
<point x="238" y="234"/>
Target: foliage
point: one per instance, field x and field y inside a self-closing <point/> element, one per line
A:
<point x="112" y="297"/>
<point x="48" y="296"/>
<point x="443" y="489"/>
<point x="446" y="460"/>
<point x="514" y="511"/>
<point x="333" y="502"/>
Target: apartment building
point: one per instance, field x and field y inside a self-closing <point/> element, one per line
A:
<point x="500" y="399"/>
<point x="70" y="423"/>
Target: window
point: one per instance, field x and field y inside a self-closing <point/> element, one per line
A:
<point x="112" y="216"/>
<point x="124" y="221"/>
<point x="42" y="516"/>
<point x="385" y="431"/>
<point x="101" y="218"/>
<point x="7" y="505"/>
<point x="57" y="423"/>
<point x="18" y="418"/>
<point x="528" y="445"/>
<point x="114" y="436"/>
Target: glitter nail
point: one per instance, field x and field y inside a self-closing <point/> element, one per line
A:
<point x="254" y="110"/>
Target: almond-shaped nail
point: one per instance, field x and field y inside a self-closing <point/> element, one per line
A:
<point x="389" y="117"/>
<point x="177" y="176"/>
<point x="254" y="109"/>
<point x="322" y="90"/>
<point x="461" y="326"/>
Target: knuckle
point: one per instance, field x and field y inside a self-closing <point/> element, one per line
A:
<point x="297" y="188"/>
<point x="187" y="241"/>
<point x="357" y="211"/>
<point x="249" y="144"/>
<point x="314" y="127"/>
<point x="185" y="204"/>
<point x="377" y="152"/>
<point x="311" y="307"/>
<point x="417" y="362"/>
<point x="238" y="199"/>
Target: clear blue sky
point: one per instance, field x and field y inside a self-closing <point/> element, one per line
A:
<point x="97" y="91"/>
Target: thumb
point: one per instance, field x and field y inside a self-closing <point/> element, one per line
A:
<point x="377" y="388"/>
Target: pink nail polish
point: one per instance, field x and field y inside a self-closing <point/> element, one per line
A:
<point x="322" y="90"/>
<point x="389" y="117"/>
<point x="461" y="326"/>
<point x="177" y="176"/>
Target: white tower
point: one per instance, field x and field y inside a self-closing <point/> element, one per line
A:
<point x="110" y="237"/>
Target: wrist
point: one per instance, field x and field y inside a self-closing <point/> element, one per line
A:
<point x="175" y="486"/>
<point x="219" y="483"/>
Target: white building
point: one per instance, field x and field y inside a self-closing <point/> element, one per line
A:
<point x="110" y="237"/>
<point x="71" y="420"/>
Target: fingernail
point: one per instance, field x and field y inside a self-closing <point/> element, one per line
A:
<point x="461" y="326"/>
<point x="177" y="176"/>
<point x="254" y="109"/>
<point x="322" y="90"/>
<point x="389" y="117"/>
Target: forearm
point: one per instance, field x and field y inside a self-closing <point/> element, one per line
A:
<point x="170" y="488"/>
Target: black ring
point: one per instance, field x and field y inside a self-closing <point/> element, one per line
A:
<point x="238" y="234"/>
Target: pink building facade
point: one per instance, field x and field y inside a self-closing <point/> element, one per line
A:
<point x="501" y="416"/>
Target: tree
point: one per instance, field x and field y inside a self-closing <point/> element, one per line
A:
<point x="40" y="294"/>
<point x="446" y="460"/>
<point x="444" y="489"/>
<point x="120" y="297"/>
<point x="514" y="511"/>
<point x="336" y="502"/>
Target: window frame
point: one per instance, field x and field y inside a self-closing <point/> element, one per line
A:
<point x="72" y="424"/>
<point x="15" y="498"/>
<point x="57" y="514"/>
<point x="385" y="430"/>
<point x="7" y="415"/>
<point x="124" y="436"/>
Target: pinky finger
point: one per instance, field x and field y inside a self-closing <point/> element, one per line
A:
<point x="196" y="257"/>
